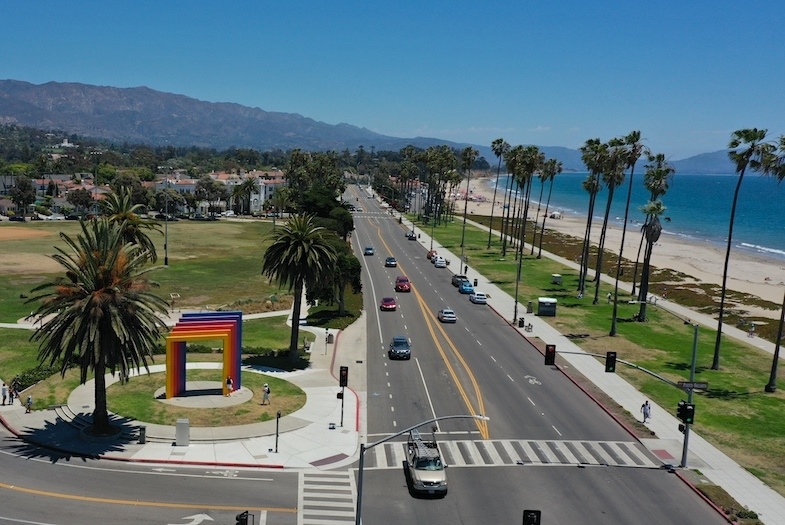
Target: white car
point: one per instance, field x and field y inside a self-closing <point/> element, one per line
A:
<point x="447" y="315"/>
<point x="478" y="298"/>
<point x="439" y="262"/>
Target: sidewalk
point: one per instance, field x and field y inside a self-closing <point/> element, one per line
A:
<point x="712" y="463"/>
<point x="309" y="438"/>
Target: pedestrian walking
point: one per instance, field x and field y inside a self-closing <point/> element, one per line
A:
<point x="646" y="410"/>
<point x="5" y="393"/>
<point x="229" y="386"/>
<point x="11" y="394"/>
<point x="29" y="404"/>
<point x="266" y="394"/>
<point x="609" y="297"/>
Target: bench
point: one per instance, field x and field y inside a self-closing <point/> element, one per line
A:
<point x="528" y="327"/>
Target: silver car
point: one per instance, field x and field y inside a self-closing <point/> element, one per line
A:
<point x="446" y="315"/>
<point x="478" y="298"/>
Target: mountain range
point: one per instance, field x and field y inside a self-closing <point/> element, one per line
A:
<point x="145" y="116"/>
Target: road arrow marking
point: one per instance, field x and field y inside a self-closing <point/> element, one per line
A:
<point x="196" y="519"/>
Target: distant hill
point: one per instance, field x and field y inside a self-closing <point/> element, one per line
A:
<point x="145" y="116"/>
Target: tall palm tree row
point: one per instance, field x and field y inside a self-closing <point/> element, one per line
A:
<point x="748" y="149"/>
<point x="468" y="155"/>
<point x="634" y="150"/>
<point x="512" y="158"/>
<point x="299" y="256"/>
<point x="102" y="313"/>
<point x="499" y="147"/>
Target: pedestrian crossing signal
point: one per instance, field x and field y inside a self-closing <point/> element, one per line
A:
<point x="610" y="362"/>
<point x="343" y="377"/>
<point x="686" y="412"/>
<point x="550" y="355"/>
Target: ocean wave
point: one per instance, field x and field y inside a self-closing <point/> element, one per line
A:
<point x="763" y="249"/>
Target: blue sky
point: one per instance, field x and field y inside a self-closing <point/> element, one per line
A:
<point x="685" y="73"/>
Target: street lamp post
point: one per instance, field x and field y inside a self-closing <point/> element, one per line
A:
<point x="363" y="448"/>
<point x="166" y="224"/>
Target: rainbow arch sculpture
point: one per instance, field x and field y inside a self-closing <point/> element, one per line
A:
<point x="204" y="326"/>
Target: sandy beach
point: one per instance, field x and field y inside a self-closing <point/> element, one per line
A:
<point x="756" y="275"/>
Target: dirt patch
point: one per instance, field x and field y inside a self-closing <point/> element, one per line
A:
<point x="16" y="233"/>
<point x="18" y="263"/>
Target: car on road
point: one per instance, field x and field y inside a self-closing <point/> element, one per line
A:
<point x="411" y="236"/>
<point x="447" y="315"/>
<point x="439" y="262"/>
<point x="388" y="303"/>
<point x="17" y="218"/>
<point x="478" y="298"/>
<point x="368" y="250"/>
<point x="390" y="262"/>
<point x="466" y="287"/>
<point x="402" y="284"/>
<point x="458" y="279"/>
<point x="430" y="255"/>
<point x="400" y="348"/>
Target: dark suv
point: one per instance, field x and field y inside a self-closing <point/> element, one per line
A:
<point x="400" y="348"/>
<point x="458" y="279"/>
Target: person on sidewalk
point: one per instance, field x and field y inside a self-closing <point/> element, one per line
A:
<point x="266" y="394"/>
<point x="29" y="404"/>
<point x="646" y="410"/>
<point x="229" y="386"/>
<point x="5" y="393"/>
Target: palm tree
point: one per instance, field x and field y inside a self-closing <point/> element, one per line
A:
<point x="634" y="150"/>
<point x="467" y="159"/>
<point x="591" y="155"/>
<point x="657" y="181"/>
<point x="299" y="256"/>
<point x="652" y="230"/>
<point x="756" y="155"/>
<point x="550" y="169"/>
<point x="499" y="147"/>
<point x="121" y="211"/>
<point x="778" y="169"/>
<point x="511" y="158"/>
<point x="105" y="317"/>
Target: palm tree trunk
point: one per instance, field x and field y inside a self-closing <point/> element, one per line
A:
<point x="295" y="335"/>
<point x="772" y="385"/>
<point x="621" y="252"/>
<point x="637" y="258"/>
<point x="537" y="218"/>
<point x="586" y="245"/>
<point x="644" y="288"/>
<point x="601" y="250"/>
<point x="506" y="214"/>
<point x="715" y="365"/>
<point x="100" y="413"/>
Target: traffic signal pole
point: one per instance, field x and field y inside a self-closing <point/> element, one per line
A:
<point x="685" y="446"/>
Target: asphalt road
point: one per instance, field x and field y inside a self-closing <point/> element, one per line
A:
<point x="481" y="365"/>
<point x="44" y="488"/>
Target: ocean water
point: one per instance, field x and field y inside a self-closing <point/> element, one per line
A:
<point x="697" y="208"/>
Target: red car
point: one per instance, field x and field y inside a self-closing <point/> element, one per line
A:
<point x="388" y="303"/>
<point x="402" y="284"/>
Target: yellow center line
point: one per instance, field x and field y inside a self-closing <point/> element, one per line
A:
<point x="482" y="426"/>
<point x="136" y="503"/>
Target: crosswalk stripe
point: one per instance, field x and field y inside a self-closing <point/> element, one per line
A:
<point x="478" y="453"/>
<point x="326" y="498"/>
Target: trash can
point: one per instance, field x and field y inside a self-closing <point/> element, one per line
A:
<point x="142" y="434"/>
<point x="400" y="220"/>
<point x="556" y="278"/>
<point x="183" y="432"/>
<point x="546" y="307"/>
<point x="329" y="339"/>
<point x="521" y="323"/>
<point x="475" y="282"/>
<point x="529" y="308"/>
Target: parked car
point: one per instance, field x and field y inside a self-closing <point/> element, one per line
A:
<point x="466" y="287"/>
<point x="411" y="236"/>
<point x="368" y="250"/>
<point x="388" y="303"/>
<point x="17" y="218"/>
<point x="478" y="298"/>
<point x="458" y="279"/>
<point x="430" y="255"/>
<point x="390" y="262"/>
<point x="402" y="284"/>
<point x="400" y="348"/>
<point x="447" y="315"/>
<point x="439" y="262"/>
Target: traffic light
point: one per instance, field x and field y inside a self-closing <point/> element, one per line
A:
<point x="610" y="362"/>
<point x="343" y="377"/>
<point x="242" y="518"/>
<point x="550" y="354"/>
<point x="686" y="412"/>
<point x="682" y="428"/>
<point x="531" y="517"/>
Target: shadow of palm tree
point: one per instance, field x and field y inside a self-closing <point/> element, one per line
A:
<point x="63" y="440"/>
